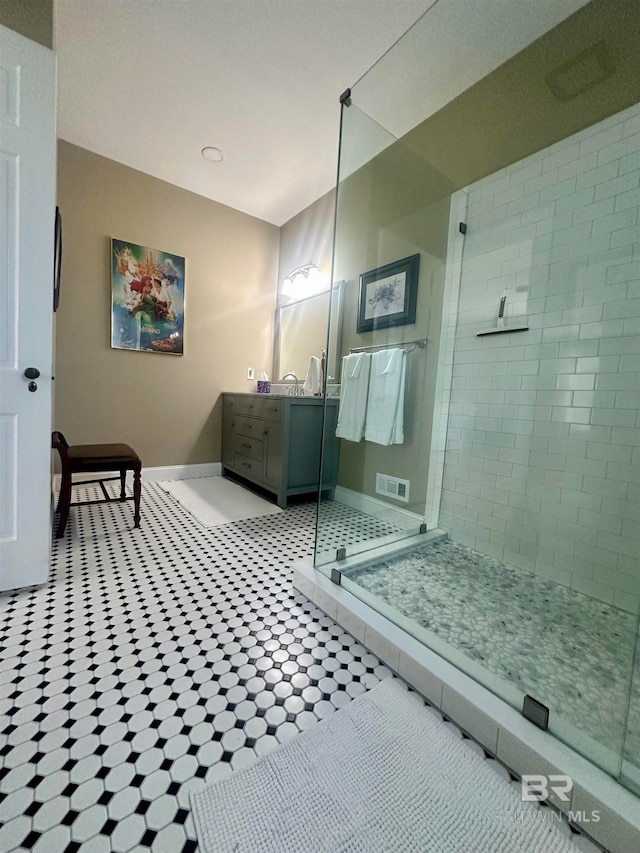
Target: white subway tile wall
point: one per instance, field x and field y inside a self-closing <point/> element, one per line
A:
<point x="542" y="461"/>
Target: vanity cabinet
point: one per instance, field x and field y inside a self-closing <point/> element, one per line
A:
<point x="274" y="441"/>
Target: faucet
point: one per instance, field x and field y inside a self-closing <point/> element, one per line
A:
<point x="286" y="376"/>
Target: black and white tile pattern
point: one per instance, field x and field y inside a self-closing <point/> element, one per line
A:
<point x="156" y="661"/>
<point x="340" y="526"/>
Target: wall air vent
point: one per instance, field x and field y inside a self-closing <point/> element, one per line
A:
<point x="392" y="487"/>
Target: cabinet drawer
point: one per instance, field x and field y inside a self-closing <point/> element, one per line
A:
<point x="249" y="447"/>
<point x="272" y="410"/>
<point x="248" y="467"/>
<point x="249" y="427"/>
<point x="249" y="406"/>
<point x="259" y="407"/>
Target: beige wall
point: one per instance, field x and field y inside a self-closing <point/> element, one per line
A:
<point x="513" y="112"/>
<point x="307" y="238"/>
<point x="30" y="18"/>
<point x="167" y="407"/>
<point x="394" y="207"/>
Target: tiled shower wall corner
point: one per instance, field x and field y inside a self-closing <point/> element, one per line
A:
<point x="542" y="460"/>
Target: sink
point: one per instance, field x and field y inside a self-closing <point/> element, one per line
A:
<point x="283" y="388"/>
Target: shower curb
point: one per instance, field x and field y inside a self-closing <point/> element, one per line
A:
<point x="498" y="727"/>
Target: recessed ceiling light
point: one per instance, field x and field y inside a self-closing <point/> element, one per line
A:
<point x="215" y="155"/>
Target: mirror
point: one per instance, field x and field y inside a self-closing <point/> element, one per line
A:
<point x="301" y="331"/>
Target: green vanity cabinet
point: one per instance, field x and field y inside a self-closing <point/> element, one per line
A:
<point x="274" y="440"/>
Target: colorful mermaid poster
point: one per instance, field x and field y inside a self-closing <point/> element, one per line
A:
<point x="147" y="299"/>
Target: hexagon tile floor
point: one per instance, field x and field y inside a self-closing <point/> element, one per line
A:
<point x="154" y="662"/>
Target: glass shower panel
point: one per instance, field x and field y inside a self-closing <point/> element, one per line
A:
<point x="513" y="172"/>
<point x="542" y="469"/>
<point x="630" y="774"/>
<point x="392" y="220"/>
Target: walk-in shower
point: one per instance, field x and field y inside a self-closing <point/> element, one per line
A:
<point x="502" y="148"/>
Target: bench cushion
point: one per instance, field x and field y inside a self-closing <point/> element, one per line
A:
<point x="101" y="457"/>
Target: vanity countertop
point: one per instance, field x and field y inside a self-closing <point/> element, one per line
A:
<point x="293" y="397"/>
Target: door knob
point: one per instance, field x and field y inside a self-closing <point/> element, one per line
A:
<point x="32" y="373"/>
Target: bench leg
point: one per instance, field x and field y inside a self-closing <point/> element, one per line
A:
<point x="123" y="484"/>
<point x="137" y="489"/>
<point x="63" y="503"/>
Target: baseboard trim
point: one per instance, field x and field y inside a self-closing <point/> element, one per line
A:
<point x="181" y="472"/>
<point x="164" y="472"/>
<point x="375" y="507"/>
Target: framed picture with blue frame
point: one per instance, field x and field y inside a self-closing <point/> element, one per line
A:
<point x="147" y="299"/>
<point x="388" y="295"/>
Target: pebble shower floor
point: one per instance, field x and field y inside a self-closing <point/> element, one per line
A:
<point x="154" y="662"/>
<point x="570" y="651"/>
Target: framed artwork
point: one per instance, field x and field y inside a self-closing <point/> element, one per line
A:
<point x="388" y="295"/>
<point x="147" y="299"/>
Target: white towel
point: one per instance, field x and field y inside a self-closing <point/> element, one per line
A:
<point x="385" y="406"/>
<point x="353" y="395"/>
<point x="313" y="382"/>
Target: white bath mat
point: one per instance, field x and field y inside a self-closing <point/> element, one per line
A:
<point x="384" y="773"/>
<point x="215" y="500"/>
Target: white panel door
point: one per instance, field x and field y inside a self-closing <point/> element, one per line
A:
<point x="27" y="209"/>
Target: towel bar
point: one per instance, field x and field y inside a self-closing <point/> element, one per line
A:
<point x="420" y="343"/>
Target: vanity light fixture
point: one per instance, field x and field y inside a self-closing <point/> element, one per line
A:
<point x="214" y="155"/>
<point x="304" y="281"/>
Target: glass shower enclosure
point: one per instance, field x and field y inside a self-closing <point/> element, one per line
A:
<point x="488" y="498"/>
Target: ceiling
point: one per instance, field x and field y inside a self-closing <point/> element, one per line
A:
<point x="149" y="83"/>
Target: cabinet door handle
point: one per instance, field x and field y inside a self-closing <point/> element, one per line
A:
<point x="266" y="432"/>
<point x="246" y="444"/>
<point x="246" y="464"/>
